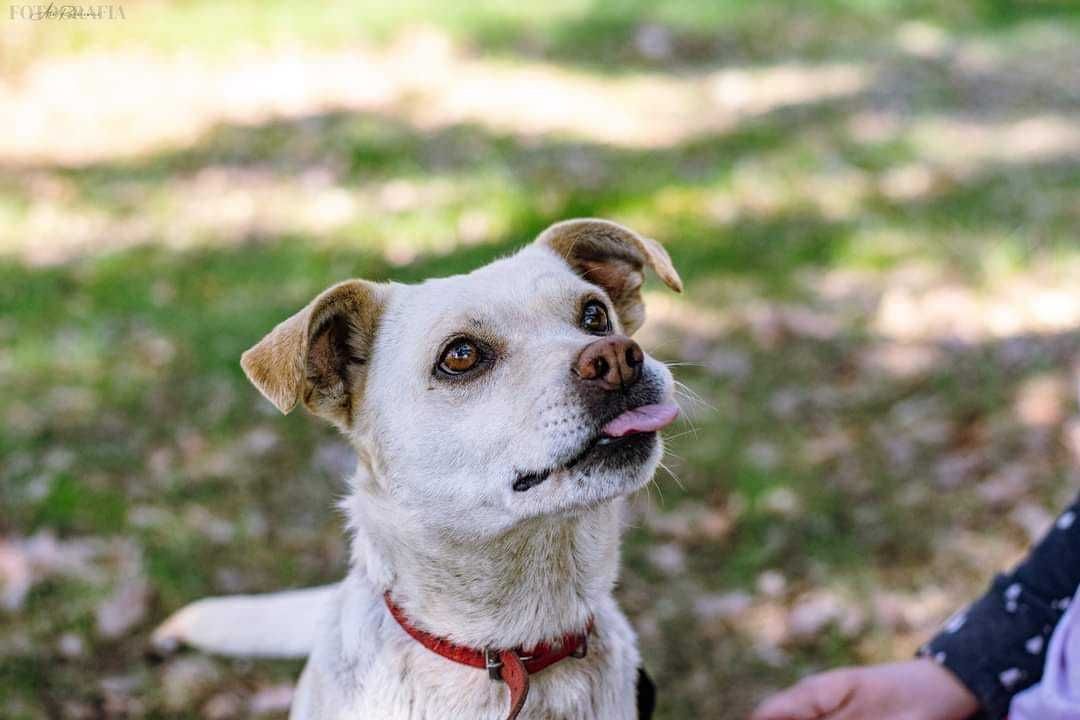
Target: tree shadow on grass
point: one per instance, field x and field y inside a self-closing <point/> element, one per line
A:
<point x="616" y="36"/>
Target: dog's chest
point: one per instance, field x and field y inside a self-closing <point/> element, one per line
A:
<point x="567" y="693"/>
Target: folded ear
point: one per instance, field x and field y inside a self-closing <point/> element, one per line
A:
<point x="319" y="354"/>
<point x="613" y="257"/>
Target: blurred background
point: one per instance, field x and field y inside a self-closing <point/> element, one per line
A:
<point x="875" y="206"/>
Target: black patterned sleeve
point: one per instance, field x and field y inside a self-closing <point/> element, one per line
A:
<point x="997" y="646"/>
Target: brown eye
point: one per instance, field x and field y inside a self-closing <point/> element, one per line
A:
<point x="594" y="318"/>
<point x="460" y="356"/>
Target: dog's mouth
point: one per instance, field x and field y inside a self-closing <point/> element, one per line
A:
<point x="634" y="427"/>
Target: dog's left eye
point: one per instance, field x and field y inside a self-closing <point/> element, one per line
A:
<point x="594" y="318"/>
<point x="460" y="356"/>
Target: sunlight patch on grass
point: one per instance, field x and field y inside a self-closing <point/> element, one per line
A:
<point x="169" y="103"/>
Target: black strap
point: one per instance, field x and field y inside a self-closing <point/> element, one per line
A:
<point x="646" y="695"/>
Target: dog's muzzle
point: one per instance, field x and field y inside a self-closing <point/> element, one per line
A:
<point x="626" y="400"/>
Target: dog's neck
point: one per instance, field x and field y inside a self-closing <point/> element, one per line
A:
<point x="533" y="583"/>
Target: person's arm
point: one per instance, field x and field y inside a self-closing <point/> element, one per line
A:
<point x="984" y="655"/>
<point x="997" y="646"/>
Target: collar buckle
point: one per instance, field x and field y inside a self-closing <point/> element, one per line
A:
<point x="493" y="664"/>
<point x="582" y="648"/>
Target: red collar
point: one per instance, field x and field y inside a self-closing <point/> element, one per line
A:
<point x="512" y="666"/>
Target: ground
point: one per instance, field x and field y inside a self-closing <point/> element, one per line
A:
<point x="874" y="206"/>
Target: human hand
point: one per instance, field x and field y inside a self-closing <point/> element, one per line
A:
<point x="913" y="690"/>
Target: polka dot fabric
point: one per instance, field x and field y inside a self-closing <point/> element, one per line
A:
<point x="1057" y="695"/>
<point x="997" y="646"/>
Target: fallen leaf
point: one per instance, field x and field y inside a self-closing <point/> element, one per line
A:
<point x="1006" y="486"/>
<point x="273" y="699"/>
<point x="771" y="583"/>
<point x="186" y="680"/>
<point x="1033" y="519"/>
<point x="722" y="606"/>
<point x="223" y="706"/>
<point x="124" y="609"/>
<point x="669" y="558"/>
<point x="1040" y="401"/>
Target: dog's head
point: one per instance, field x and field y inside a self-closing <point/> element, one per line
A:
<point x="510" y="392"/>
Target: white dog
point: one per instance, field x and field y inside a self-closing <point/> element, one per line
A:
<point x="501" y="418"/>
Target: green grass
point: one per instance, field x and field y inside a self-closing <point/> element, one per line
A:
<point x="591" y="32"/>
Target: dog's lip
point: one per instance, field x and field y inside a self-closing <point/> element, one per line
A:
<point x="641" y="420"/>
<point x="529" y="480"/>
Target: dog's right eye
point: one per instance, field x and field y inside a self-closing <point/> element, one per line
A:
<point x="594" y="318"/>
<point x="460" y="356"/>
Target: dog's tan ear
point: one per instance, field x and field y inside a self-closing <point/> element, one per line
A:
<point x="319" y="354"/>
<point x="613" y="257"/>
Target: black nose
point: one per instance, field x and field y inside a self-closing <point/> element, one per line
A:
<point x="612" y="362"/>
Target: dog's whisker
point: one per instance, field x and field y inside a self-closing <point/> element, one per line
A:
<point x="692" y="405"/>
<point x="653" y="483"/>
<point x="687" y="417"/>
<point x="693" y="394"/>
<point x="674" y="476"/>
<point x="683" y="393"/>
<point x="693" y="397"/>
<point x="689" y="410"/>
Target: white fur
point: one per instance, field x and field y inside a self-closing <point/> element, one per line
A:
<point x="251" y="625"/>
<point x="435" y="521"/>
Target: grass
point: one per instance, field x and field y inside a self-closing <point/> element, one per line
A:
<point x="592" y="32"/>
<point x="823" y="451"/>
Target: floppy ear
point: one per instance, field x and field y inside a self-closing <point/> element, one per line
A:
<point x="319" y="354"/>
<point x="613" y="257"/>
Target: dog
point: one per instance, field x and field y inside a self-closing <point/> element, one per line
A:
<point x="501" y="418"/>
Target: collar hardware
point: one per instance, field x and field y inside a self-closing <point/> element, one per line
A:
<point x="579" y="652"/>
<point x="493" y="664"/>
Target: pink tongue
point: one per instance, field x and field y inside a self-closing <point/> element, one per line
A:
<point x="646" y="418"/>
